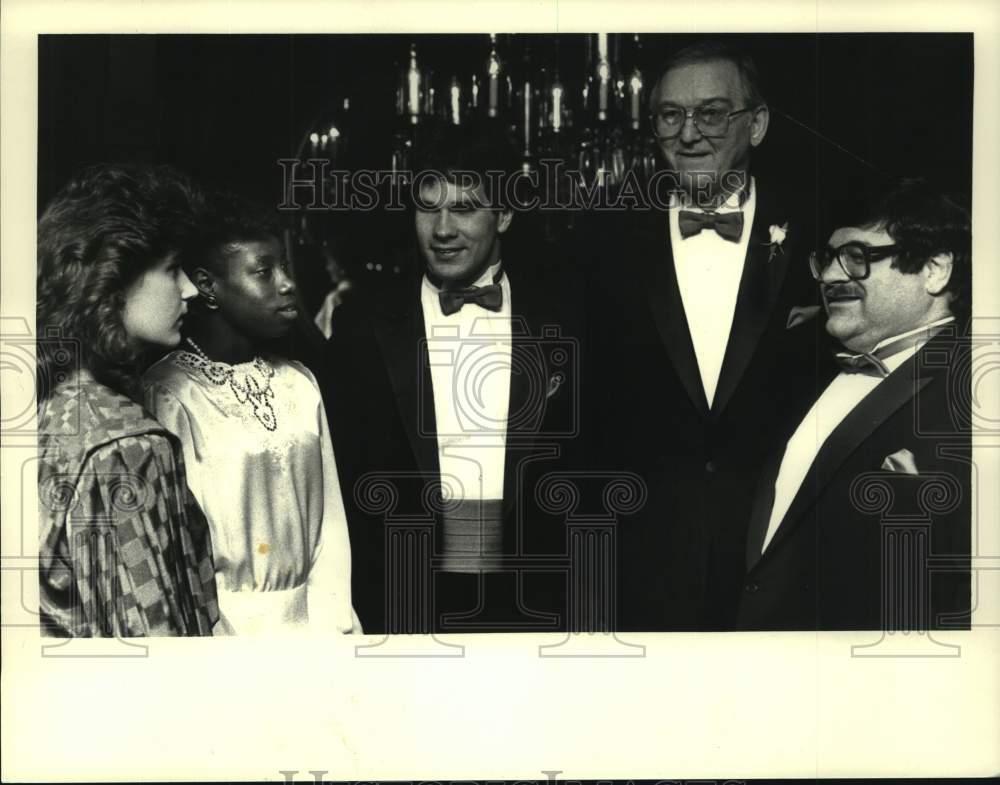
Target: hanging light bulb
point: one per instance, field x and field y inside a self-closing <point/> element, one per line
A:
<point x="635" y="98"/>
<point x="603" y="76"/>
<point x="494" y="77"/>
<point x="557" y="105"/>
<point x="413" y="85"/>
<point x="455" y="101"/>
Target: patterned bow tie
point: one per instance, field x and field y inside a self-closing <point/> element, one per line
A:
<point x="864" y="363"/>
<point x="729" y="226"/>
<point x="489" y="297"/>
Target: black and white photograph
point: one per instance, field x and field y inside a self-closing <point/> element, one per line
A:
<point x="634" y="371"/>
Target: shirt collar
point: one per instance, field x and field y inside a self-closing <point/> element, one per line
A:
<point x="890" y="353"/>
<point x="893" y="345"/>
<point x="734" y="202"/>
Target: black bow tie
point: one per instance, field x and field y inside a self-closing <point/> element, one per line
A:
<point x="729" y="226"/>
<point x="489" y="297"/>
<point x="872" y="363"/>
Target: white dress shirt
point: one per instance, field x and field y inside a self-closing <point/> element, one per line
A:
<point x="708" y="270"/>
<point x="469" y="353"/>
<point x="844" y="393"/>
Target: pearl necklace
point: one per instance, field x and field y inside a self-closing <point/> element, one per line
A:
<point x="257" y="394"/>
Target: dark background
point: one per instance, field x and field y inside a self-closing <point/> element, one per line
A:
<point x="225" y="107"/>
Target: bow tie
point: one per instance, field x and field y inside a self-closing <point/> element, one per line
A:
<point x="729" y="226"/>
<point x="872" y="363"/>
<point x="864" y="363"/>
<point x="489" y="297"/>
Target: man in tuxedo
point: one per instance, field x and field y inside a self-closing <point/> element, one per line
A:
<point x="862" y="521"/>
<point x="701" y="344"/>
<point x="446" y="398"/>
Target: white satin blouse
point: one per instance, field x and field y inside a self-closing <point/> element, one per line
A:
<point x="272" y="497"/>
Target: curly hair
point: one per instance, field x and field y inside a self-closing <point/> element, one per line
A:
<point x="927" y="221"/>
<point x="106" y="227"/>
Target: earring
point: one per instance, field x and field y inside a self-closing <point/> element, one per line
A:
<point x="210" y="302"/>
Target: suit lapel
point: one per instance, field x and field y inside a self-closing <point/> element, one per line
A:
<point x="863" y="420"/>
<point x="760" y="512"/>
<point x="399" y="327"/>
<point x="667" y="307"/>
<point x="760" y="285"/>
<point x="528" y="381"/>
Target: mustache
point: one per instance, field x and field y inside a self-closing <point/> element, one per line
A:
<point x="834" y="290"/>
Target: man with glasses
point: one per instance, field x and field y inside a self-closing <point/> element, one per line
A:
<point x="703" y="307"/>
<point x="888" y="437"/>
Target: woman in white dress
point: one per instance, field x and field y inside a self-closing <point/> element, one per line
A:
<point x="255" y="438"/>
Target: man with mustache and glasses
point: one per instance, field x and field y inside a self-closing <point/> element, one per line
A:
<point x="863" y="520"/>
<point x="698" y="305"/>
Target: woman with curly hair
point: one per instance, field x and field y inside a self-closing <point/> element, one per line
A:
<point x="253" y="419"/>
<point x="124" y="549"/>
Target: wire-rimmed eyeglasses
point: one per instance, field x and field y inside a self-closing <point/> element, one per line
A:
<point x="711" y="121"/>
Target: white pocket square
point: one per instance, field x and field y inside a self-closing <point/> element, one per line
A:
<point x="800" y="314"/>
<point x="901" y="462"/>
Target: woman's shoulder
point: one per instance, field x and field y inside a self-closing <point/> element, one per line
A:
<point x="293" y="370"/>
<point x="173" y="371"/>
<point x="82" y="406"/>
<point x="148" y="454"/>
<point x="84" y="417"/>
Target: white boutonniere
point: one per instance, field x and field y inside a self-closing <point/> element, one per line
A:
<point x="778" y="235"/>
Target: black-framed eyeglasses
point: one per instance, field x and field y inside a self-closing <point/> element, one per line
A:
<point x="711" y="121"/>
<point x="855" y="259"/>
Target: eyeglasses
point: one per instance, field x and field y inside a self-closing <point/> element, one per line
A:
<point x="854" y="258"/>
<point x="711" y="121"/>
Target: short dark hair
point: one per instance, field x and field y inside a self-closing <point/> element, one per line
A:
<point x="925" y="220"/>
<point x="711" y="51"/>
<point x="105" y="228"/>
<point x="224" y="220"/>
<point x="474" y="149"/>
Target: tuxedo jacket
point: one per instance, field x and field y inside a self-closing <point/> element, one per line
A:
<point x="381" y="410"/>
<point x="863" y="546"/>
<point x="681" y="557"/>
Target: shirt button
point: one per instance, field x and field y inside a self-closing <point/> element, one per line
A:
<point x="710" y="466"/>
<point x="752" y="587"/>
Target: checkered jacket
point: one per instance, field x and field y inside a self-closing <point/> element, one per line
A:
<point x="124" y="549"/>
